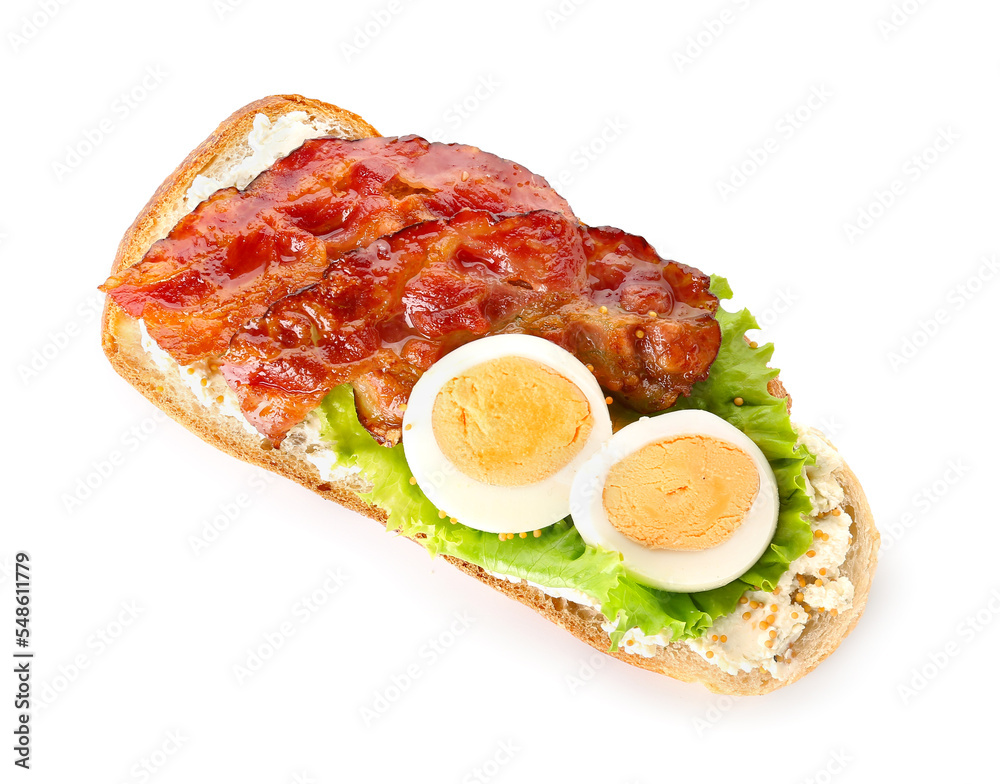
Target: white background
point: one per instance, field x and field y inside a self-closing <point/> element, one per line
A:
<point x="876" y="340"/>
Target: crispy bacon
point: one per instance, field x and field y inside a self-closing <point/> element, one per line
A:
<point x="240" y="251"/>
<point x="384" y="313"/>
<point x="645" y="325"/>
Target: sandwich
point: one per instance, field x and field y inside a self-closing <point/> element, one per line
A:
<point x="428" y="335"/>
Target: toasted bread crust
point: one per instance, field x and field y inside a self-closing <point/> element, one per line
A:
<point x="120" y="336"/>
<point x="121" y="340"/>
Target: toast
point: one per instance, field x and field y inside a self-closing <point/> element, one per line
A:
<point x="165" y="387"/>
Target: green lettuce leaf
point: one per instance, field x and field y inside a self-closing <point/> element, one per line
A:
<point x="559" y="558"/>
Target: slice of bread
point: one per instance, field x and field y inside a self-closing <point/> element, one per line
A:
<point x="165" y="387"/>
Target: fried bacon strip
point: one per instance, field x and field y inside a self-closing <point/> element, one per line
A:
<point x="383" y="314"/>
<point x="240" y="251"/>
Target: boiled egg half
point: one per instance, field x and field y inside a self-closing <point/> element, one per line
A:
<point x="688" y="500"/>
<point x="495" y="431"/>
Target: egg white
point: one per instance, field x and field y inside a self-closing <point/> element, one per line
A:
<point x="493" y="508"/>
<point x="676" y="570"/>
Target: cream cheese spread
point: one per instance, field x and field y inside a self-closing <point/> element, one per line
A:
<point x="305" y="440"/>
<point x="269" y="140"/>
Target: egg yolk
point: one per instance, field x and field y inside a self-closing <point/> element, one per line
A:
<point x="689" y="492"/>
<point x="511" y="421"/>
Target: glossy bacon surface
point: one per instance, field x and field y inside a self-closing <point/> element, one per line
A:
<point x="240" y="251"/>
<point x="383" y="314"/>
